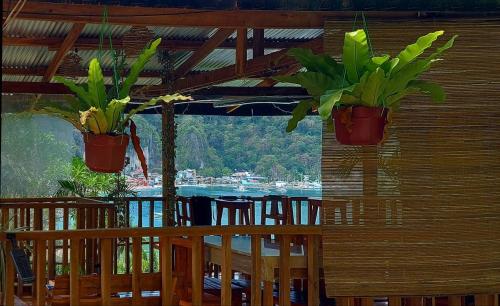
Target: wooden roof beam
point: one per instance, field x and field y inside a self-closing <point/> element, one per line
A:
<point x="203" y="51"/>
<point x="180" y="17"/>
<point x="66" y="45"/>
<point x="54" y="43"/>
<point x="258" y="42"/>
<point x="259" y="66"/>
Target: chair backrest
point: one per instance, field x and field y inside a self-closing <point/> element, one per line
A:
<point x="183" y="210"/>
<point x="314" y="208"/>
<point x="280" y="210"/>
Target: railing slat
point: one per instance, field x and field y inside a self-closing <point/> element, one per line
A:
<point x="256" y="297"/>
<point x="136" y="270"/>
<point x="106" y="271"/>
<point x="139" y="213"/>
<point x="51" y="246"/>
<point x="394" y="301"/>
<point x="74" y="273"/>
<point x="454" y="300"/>
<point x="65" y="241"/>
<point x="151" y="239"/>
<point x="9" y="275"/>
<point x="167" y="289"/>
<point x="284" y="297"/>
<point x="312" y="270"/>
<point x="196" y="270"/>
<point x="40" y="271"/>
<point x="226" y="270"/>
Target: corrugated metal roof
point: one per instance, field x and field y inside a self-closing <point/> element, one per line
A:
<point x="241" y="83"/>
<point x="184" y="32"/>
<point x="220" y="58"/>
<point x="22" y="56"/>
<point x="16" y="56"/>
<point x="34" y="28"/>
<point x="21" y="78"/>
<point x="283" y="34"/>
<point x="140" y="81"/>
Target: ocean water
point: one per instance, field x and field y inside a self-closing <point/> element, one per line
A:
<point x="214" y="192"/>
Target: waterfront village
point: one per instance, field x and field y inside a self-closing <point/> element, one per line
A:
<point x="240" y="180"/>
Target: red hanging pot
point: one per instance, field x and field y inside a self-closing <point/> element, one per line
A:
<point x="105" y="153"/>
<point x="360" y="125"/>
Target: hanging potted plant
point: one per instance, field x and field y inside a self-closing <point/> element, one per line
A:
<point x="360" y="92"/>
<point x="100" y="115"/>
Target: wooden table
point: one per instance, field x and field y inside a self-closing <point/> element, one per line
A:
<point x="270" y="260"/>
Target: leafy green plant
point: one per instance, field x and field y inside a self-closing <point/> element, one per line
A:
<point x="96" y="111"/>
<point x="361" y="78"/>
<point x="84" y="182"/>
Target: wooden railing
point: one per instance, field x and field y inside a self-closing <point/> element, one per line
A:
<point x="107" y="237"/>
<point x="58" y="214"/>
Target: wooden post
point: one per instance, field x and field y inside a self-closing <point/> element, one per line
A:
<point x="136" y="270"/>
<point x="241" y="51"/>
<point x="74" y="272"/>
<point x="226" y="270"/>
<point x="256" y="298"/>
<point x="167" y="286"/>
<point x="258" y="42"/>
<point x="106" y="271"/>
<point x="312" y="270"/>
<point x="284" y="297"/>
<point x="197" y="273"/>
<point x="168" y="132"/>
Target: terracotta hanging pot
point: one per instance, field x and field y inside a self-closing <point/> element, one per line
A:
<point x="360" y="125"/>
<point x="105" y="153"/>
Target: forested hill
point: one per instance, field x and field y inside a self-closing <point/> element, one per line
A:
<point x="217" y="146"/>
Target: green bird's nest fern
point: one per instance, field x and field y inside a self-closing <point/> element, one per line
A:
<point x="99" y="112"/>
<point x="361" y="78"/>
<point x="93" y="110"/>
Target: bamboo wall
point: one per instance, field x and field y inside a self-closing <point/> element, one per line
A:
<point x="420" y="214"/>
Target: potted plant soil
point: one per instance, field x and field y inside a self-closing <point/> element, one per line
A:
<point x="359" y="92"/>
<point x="100" y="115"/>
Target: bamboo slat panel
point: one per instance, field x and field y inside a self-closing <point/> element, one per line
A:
<point x="420" y="214"/>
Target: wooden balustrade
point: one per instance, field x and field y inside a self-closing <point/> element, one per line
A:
<point x="105" y="238"/>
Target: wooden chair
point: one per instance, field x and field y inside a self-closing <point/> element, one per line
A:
<point x="244" y="208"/>
<point x="314" y="209"/>
<point x="184" y="211"/>
<point x="280" y="210"/>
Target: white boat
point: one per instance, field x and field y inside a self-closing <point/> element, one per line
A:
<point x="281" y="189"/>
<point x="241" y="188"/>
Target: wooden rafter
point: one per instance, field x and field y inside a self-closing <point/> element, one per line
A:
<point x="54" y="43"/>
<point x="241" y="51"/>
<point x="256" y="67"/>
<point x="203" y="51"/>
<point x="270" y="82"/>
<point x="66" y="45"/>
<point x="179" y="17"/>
